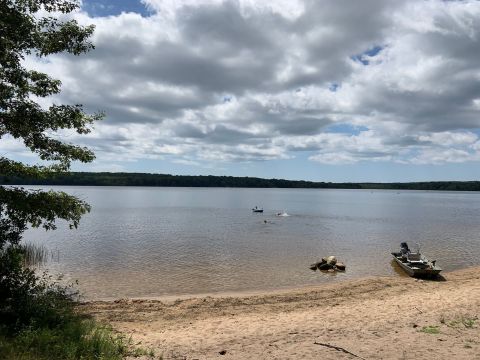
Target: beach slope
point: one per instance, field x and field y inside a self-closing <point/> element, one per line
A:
<point x="372" y="318"/>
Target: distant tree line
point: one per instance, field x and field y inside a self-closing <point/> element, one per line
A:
<point x="142" y="179"/>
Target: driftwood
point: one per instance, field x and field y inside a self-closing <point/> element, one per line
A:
<point x="338" y="348"/>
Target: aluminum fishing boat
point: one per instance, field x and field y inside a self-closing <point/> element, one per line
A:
<point x="414" y="263"/>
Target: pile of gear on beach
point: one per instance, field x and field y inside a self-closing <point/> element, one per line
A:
<point x="329" y="264"/>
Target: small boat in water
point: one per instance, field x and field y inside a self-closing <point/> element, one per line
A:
<point x="414" y="263"/>
<point x="257" y="210"/>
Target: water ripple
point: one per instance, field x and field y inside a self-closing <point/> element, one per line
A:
<point x="168" y="241"/>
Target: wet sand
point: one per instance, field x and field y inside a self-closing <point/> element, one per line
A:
<point x="372" y="318"/>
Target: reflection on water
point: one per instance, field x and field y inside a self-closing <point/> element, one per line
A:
<point x="171" y="241"/>
<point x="397" y="269"/>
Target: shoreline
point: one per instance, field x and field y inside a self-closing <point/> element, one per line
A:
<point x="223" y="294"/>
<point x="385" y="317"/>
<point x="399" y="273"/>
<point x="106" y="179"/>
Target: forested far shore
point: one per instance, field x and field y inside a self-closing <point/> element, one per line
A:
<point x="167" y="180"/>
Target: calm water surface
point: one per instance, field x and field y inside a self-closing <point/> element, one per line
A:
<point x="140" y="242"/>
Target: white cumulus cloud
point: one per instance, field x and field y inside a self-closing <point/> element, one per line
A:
<point x="242" y="80"/>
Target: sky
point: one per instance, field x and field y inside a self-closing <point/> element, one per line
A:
<point x="331" y="90"/>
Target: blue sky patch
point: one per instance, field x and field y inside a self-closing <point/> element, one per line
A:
<point x="373" y="51"/>
<point x="362" y="58"/>
<point x="99" y="8"/>
<point x="333" y="87"/>
<point x="344" y="128"/>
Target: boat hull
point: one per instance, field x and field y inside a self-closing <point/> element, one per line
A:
<point x="430" y="272"/>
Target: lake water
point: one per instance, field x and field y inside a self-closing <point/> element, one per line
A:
<point x="148" y="242"/>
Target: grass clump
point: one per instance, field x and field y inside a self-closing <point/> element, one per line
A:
<point x="34" y="255"/>
<point x="431" y="329"/>
<point x="38" y="320"/>
<point x="467" y="322"/>
<point x="77" y="338"/>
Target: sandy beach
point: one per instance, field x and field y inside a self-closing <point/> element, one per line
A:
<point x="372" y="318"/>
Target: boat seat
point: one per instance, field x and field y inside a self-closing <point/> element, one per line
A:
<point x="414" y="257"/>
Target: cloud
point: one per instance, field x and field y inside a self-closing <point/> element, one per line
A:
<point x="438" y="156"/>
<point x="227" y="81"/>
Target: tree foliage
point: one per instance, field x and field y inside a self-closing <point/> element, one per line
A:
<point x="36" y="28"/>
<point x="33" y="28"/>
<point x="166" y="180"/>
<point x="25" y="33"/>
